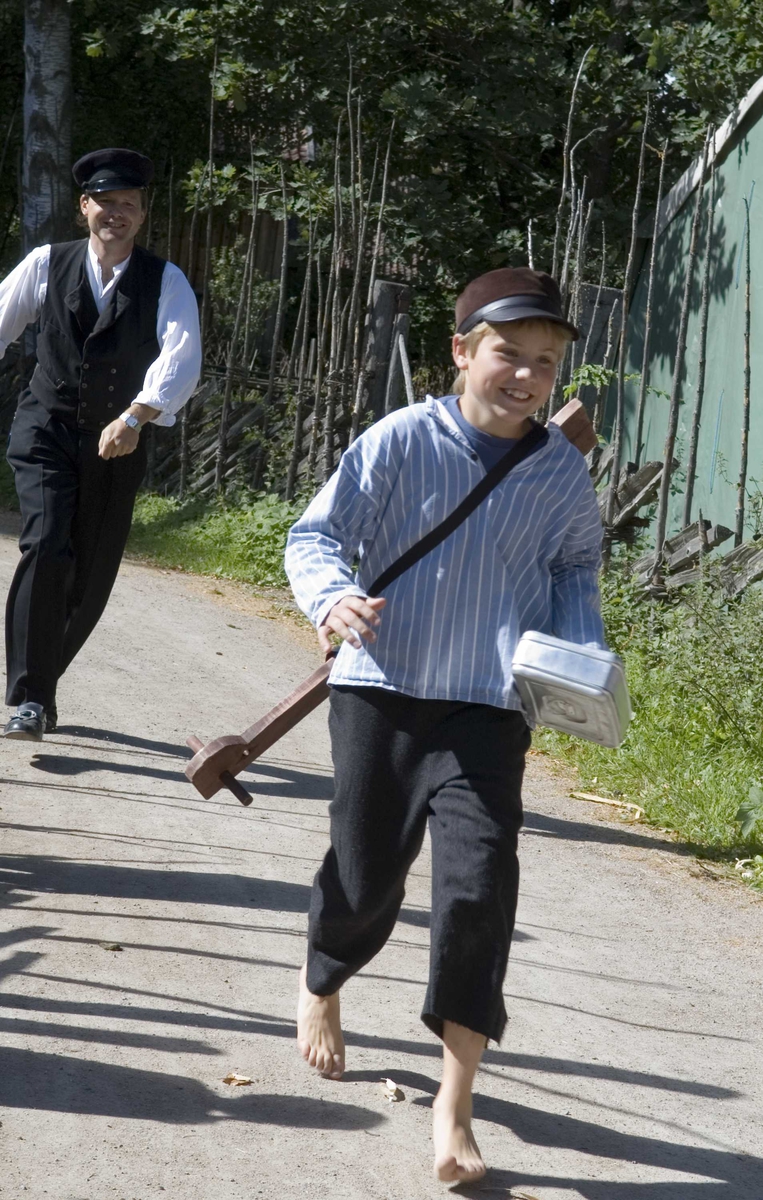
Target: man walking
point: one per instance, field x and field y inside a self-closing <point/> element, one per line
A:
<point x="118" y="345"/>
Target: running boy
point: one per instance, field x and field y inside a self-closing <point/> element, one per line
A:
<point x="425" y="722"/>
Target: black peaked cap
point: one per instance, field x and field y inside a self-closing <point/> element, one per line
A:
<point x="110" y="170"/>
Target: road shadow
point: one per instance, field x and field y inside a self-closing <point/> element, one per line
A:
<point x="43" y="873"/>
<point x="60" y="1083"/>
<point x="738" y="1175"/>
<point x="585" y="831"/>
<point x="284" y="782"/>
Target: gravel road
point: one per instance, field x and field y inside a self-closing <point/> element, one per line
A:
<point x="631" y="1068"/>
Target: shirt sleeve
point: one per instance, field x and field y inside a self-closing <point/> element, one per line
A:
<point x="22" y="294"/>
<point x="326" y="540"/>
<point x="576" y="604"/>
<point x="172" y="377"/>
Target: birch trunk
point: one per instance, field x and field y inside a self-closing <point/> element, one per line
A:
<point x="46" y="212"/>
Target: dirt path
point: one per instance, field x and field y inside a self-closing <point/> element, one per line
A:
<point x="631" y="1068"/>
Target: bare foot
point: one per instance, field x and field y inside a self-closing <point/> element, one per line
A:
<point x="319" y="1031"/>
<point x="457" y="1158"/>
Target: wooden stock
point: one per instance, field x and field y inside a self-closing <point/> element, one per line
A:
<point x="216" y="765"/>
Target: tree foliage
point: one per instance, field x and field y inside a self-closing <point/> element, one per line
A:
<point x="478" y="89"/>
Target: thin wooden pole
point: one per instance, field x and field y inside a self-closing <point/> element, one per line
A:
<point x="359" y="394"/>
<point x="617" y="441"/>
<point x="597" y="302"/>
<point x="318" y="367"/>
<point x="598" y="410"/>
<point x="208" y="248"/>
<point x="691" y="465"/>
<point x="336" y="313"/>
<point x="530" y="255"/>
<point x="170" y="197"/>
<point x="643" y="383"/>
<point x="405" y="364"/>
<point x="253" y="258"/>
<point x="299" y="409"/>
<point x="566" y="162"/>
<point x="277" y="335"/>
<point x="742" y="485"/>
<point x="675" y="394"/>
<point x="221" y="455"/>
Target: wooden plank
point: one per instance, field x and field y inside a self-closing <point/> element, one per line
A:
<point x="639" y="490"/>
<point x="684" y="555"/>
<point x="742" y="567"/>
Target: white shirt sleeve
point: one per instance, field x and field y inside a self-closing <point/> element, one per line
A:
<point x="22" y="294"/>
<point x="172" y="377"/>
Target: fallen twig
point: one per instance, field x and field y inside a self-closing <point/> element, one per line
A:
<point x="634" y="808"/>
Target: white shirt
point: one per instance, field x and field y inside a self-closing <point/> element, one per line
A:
<point x="172" y="377"/>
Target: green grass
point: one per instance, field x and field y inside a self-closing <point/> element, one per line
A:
<point x="695" y="747"/>
<point x="244" y="541"/>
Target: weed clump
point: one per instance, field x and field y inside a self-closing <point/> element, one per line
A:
<point x="243" y="541"/>
<point x="693" y="756"/>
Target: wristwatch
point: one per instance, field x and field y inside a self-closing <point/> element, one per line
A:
<point x="130" y="420"/>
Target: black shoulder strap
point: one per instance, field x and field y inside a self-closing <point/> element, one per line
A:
<point x="526" y="446"/>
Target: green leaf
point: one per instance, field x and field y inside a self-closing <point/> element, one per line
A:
<point x="750" y="811"/>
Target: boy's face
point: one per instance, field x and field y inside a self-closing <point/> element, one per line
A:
<point x="509" y="376"/>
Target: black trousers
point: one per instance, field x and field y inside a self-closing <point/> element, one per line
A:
<point x="400" y="762"/>
<point x="76" y="510"/>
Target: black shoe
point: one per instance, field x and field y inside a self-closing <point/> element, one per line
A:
<point x="27" y="723"/>
<point x="51" y="719"/>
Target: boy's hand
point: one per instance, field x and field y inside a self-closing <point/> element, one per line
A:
<point x="353" y="618"/>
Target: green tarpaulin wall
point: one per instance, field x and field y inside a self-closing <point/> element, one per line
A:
<point x="739" y="162"/>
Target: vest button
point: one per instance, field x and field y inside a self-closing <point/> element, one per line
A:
<point x="113" y="370"/>
<point x="86" y="366"/>
<point x="81" y="421"/>
<point x="83" y="405"/>
<point x="109" y="405"/>
<point x="84" y="385"/>
<point x="111" y="388"/>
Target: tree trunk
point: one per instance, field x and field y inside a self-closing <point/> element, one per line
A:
<point x="46" y="214"/>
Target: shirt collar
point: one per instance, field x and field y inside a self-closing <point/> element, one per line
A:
<point x="95" y="266"/>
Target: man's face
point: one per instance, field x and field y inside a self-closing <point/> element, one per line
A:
<point x="511" y="373"/>
<point x="114" y="217"/>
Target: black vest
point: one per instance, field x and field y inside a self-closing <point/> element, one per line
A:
<point x="91" y="366"/>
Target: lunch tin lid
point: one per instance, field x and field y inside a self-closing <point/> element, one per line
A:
<point x="577" y="689"/>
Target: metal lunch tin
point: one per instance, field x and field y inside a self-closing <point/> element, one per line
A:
<point x="576" y="689"/>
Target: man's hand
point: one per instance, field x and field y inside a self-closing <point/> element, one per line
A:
<point x="118" y="439"/>
<point x="353" y="618"/>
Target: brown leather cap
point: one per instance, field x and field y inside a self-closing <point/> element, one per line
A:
<point x="511" y="294"/>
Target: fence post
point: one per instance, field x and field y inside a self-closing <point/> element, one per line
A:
<point x="390" y="316"/>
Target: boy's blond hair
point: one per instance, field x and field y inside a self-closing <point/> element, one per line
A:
<point x="471" y="340"/>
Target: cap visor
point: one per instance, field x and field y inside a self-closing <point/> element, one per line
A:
<point x="112" y="185"/>
<point x="500" y="316"/>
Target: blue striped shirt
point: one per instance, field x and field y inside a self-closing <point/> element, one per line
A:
<point x="527" y="558"/>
